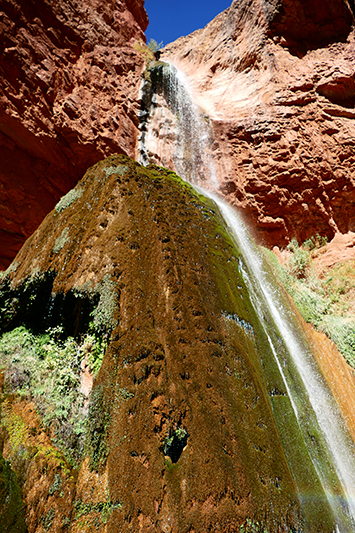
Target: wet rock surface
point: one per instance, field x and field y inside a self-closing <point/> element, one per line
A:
<point x="69" y="79"/>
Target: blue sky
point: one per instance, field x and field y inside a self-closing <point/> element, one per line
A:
<point x="170" y="19"/>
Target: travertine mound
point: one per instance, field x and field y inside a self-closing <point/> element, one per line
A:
<point x="69" y="79"/>
<point x="278" y="81"/>
<point x="189" y="426"/>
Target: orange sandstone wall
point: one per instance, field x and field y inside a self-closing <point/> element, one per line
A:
<point x="277" y="80"/>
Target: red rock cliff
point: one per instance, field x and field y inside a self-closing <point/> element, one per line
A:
<point x="277" y="80"/>
<point x="69" y="78"/>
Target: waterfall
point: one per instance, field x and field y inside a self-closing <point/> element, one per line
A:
<point x="190" y="146"/>
<point x="321" y="426"/>
<point x="339" y="446"/>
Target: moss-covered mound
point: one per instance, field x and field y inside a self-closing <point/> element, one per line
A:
<point x="183" y="429"/>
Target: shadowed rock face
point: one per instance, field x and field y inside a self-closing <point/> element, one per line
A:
<point x="69" y="79"/>
<point x="277" y="80"/>
<point x="312" y="23"/>
<point x="189" y="420"/>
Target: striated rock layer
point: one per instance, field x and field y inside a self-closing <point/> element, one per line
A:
<point x="189" y="425"/>
<point x="69" y="79"/>
<point x="277" y="80"/>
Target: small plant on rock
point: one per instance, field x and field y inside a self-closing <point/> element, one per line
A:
<point x="154" y="46"/>
<point x="299" y="260"/>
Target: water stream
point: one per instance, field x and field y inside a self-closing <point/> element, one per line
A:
<point x="324" y="432"/>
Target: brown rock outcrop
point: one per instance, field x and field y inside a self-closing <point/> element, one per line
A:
<point x="277" y="81"/>
<point x="340" y="249"/>
<point x="69" y="79"/>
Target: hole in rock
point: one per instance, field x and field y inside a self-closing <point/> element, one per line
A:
<point x="175" y="444"/>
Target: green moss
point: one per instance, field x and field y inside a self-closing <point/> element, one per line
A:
<point x="252" y="526"/>
<point x="105" y="312"/>
<point x="120" y="170"/>
<point x="69" y="199"/>
<point x="104" y="507"/>
<point x="66" y="523"/>
<point x="54" y="456"/>
<point x="15" y="427"/>
<point x="99" y="419"/>
<point x="61" y="241"/>
<point x="122" y="394"/>
<point x="11" y="505"/>
<point x="47" y="519"/>
<point x="56" y="485"/>
<point x="182" y="287"/>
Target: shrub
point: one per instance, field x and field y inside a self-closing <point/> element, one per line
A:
<point x="95" y="346"/>
<point x="299" y="260"/>
<point x="143" y="50"/>
<point x="315" y="242"/>
<point x="342" y="331"/>
<point x="312" y="305"/>
<point x="154" y="46"/>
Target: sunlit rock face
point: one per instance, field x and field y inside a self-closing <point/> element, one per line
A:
<point x="277" y="81"/>
<point x="69" y="78"/>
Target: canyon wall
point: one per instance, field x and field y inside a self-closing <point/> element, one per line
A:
<point x="277" y="81"/>
<point x="276" y="78"/>
<point x="138" y="388"/>
<point x="69" y="79"/>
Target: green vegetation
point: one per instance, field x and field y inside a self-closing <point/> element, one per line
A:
<point x="154" y="46"/>
<point x="252" y="526"/>
<point x="104" y="313"/>
<point x="47" y="519"/>
<point x="105" y="508"/>
<point x="144" y="51"/>
<point x="46" y="369"/>
<point x="94" y="346"/>
<point x="69" y="199"/>
<point x="56" y="485"/>
<point x="14" y="425"/>
<point x="11" y="504"/>
<point x="175" y="219"/>
<point x="324" y="301"/>
<point x="118" y="169"/>
<point x="61" y="241"/>
<point x="65" y="522"/>
<point x="99" y="419"/>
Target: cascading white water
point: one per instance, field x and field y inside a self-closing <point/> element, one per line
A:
<point x="193" y="162"/>
<point x="190" y="146"/>
<point x="339" y="444"/>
